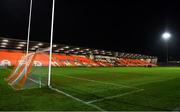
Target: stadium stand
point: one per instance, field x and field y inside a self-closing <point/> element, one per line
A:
<point x="13" y="50"/>
<point x="11" y="58"/>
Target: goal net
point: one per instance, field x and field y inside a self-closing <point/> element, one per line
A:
<point x="31" y="71"/>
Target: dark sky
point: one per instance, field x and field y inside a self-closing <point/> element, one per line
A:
<point x="131" y="26"/>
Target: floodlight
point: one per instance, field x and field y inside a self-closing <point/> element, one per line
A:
<point x="22" y="42"/>
<point x="3" y="46"/>
<point x="40" y="44"/>
<point x="54" y="45"/>
<point x="21" y="45"/>
<point x="61" y="49"/>
<point x="87" y="49"/>
<point x="5" y="40"/>
<point x="66" y="47"/>
<point x="18" y="47"/>
<point x="4" y="43"/>
<point x="77" y="48"/>
<point x="36" y="46"/>
<point x="166" y="36"/>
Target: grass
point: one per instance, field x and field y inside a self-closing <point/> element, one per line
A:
<point x="111" y="89"/>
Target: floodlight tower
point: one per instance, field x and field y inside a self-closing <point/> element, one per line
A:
<point x="166" y="36"/>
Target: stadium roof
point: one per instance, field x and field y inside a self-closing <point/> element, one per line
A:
<point x="17" y="44"/>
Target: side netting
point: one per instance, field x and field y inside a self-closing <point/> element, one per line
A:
<point x="31" y="71"/>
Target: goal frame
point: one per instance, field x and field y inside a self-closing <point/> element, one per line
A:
<point x="51" y="37"/>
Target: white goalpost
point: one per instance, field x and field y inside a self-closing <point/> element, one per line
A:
<point x="29" y="26"/>
<point x="51" y="42"/>
<point x="51" y="37"/>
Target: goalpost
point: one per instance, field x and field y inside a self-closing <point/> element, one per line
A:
<point x="51" y="42"/>
<point x="51" y="38"/>
<point x="25" y="68"/>
<point x="31" y="71"/>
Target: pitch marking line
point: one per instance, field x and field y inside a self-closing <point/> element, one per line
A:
<point x="68" y="95"/>
<point x="77" y="99"/>
<point x="111" y="97"/>
<point x="36" y="81"/>
<point x="107" y="83"/>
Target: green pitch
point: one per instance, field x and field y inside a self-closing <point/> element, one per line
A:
<point x="121" y="88"/>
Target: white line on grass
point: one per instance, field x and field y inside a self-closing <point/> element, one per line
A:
<point x="77" y="99"/>
<point x="107" y="83"/>
<point x="36" y="81"/>
<point x="68" y="95"/>
<point x="115" y="96"/>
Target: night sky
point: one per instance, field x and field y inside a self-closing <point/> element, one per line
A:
<point x="131" y="26"/>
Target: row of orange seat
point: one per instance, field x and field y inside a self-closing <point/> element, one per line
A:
<point x="134" y="62"/>
<point x="11" y="58"/>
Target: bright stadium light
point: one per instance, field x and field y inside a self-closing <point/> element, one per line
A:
<point x="66" y="47"/>
<point x="61" y="49"/>
<point x="22" y="42"/>
<point x="5" y="40"/>
<point x="102" y="51"/>
<point x="3" y="46"/>
<point x="36" y="46"/>
<point x="4" y="43"/>
<point x="18" y="47"/>
<point x="87" y="49"/>
<point x="54" y="45"/>
<point x="40" y="44"/>
<point x="77" y="48"/>
<point x="166" y="36"/>
<point x="21" y="45"/>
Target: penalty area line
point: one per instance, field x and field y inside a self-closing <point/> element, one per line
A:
<point x="107" y="83"/>
<point x="77" y="99"/>
<point x="35" y="81"/>
<point x="68" y="95"/>
<point x="115" y="96"/>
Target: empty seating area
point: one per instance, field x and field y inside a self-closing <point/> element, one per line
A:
<point x="11" y="58"/>
<point x="134" y="62"/>
<point x="73" y="60"/>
